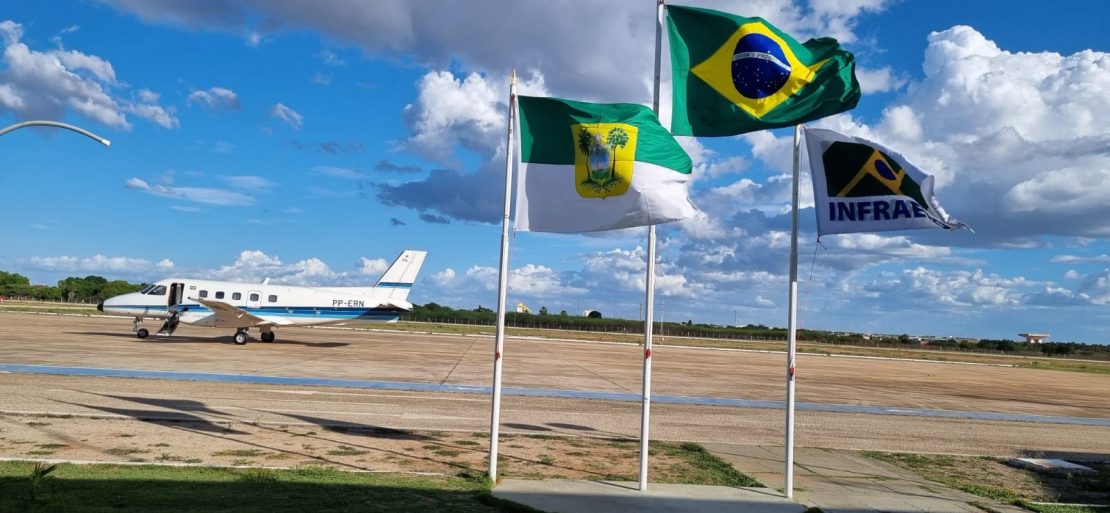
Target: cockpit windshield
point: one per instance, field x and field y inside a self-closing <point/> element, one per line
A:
<point x="158" y="290"/>
<point x="147" y="289"/>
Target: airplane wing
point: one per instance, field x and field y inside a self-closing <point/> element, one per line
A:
<point x="231" y="315"/>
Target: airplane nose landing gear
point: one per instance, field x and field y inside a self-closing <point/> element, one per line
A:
<point x="240" y="337"/>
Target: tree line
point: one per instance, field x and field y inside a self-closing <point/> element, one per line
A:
<point x="92" y="288"/>
<point x="433" y="312"/>
<point x="89" y="289"/>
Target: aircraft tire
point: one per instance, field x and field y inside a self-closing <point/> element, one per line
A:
<point x="240" y="338"/>
<point x="142" y="333"/>
<point x="267" y="336"/>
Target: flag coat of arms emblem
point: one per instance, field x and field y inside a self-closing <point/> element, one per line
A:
<point x="590" y="167"/>
<point x="861" y="186"/>
<point x="733" y="75"/>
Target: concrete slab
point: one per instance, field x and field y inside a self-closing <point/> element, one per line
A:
<point x="567" y="496"/>
<point x="1050" y="465"/>
<point x="839" y="481"/>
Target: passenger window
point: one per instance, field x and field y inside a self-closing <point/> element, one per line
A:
<point x="203" y="293"/>
<point x="220" y="295"/>
<point x="158" y="291"/>
<point x="272" y="298"/>
<point x="254" y="297"/>
<point x="236" y="296"/>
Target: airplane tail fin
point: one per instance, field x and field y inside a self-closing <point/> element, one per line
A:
<point x="402" y="274"/>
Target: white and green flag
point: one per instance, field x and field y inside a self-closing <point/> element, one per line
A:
<point x="861" y="186"/>
<point x="588" y="167"/>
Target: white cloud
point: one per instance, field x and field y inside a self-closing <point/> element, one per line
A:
<point x="252" y="266"/>
<point x="879" y="80"/>
<point x="372" y="267"/>
<point x="287" y="115"/>
<point x="339" y="172"/>
<point x="444" y="277"/>
<point x="48" y="84"/>
<point x="249" y="182"/>
<point x="215" y="98"/>
<point x="450" y="112"/>
<point x="196" y="194"/>
<point x="99" y="264"/>
<point x="1074" y="259"/>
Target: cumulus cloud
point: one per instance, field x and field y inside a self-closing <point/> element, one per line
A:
<point x="256" y="265"/>
<point x="287" y="115"/>
<point x="215" y="98"/>
<point x="879" y="80"/>
<point x="100" y="264"/>
<point x="48" y="84"/>
<point x="442" y="34"/>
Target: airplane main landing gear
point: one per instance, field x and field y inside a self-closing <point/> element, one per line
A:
<point x="139" y="330"/>
<point x="267" y="336"/>
<point x="240" y="336"/>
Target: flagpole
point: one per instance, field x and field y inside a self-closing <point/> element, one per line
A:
<point x="502" y="289"/>
<point x="649" y="299"/>
<point x="792" y="320"/>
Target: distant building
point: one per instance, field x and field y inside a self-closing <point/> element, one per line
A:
<point x="520" y="308"/>
<point x="1033" y="338"/>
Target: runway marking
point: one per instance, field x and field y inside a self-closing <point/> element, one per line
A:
<point x="534" y="392"/>
<point x="313" y="392"/>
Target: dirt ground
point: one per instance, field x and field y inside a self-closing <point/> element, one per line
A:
<point x="449" y="453"/>
<point x="153" y="420"/>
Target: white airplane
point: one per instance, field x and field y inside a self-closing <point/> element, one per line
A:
<point x="225" y="304"/>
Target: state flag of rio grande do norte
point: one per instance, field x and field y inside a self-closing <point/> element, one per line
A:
<point x="588" y="167"/>
<point x="734" y="75"/>
<point x="861" y="186"/>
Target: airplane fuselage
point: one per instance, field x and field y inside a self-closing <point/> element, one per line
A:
<point x="227" y="304"/>
<point x="281" y="305"/>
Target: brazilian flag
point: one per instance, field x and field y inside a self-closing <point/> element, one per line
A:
<point x="734" y="75"/>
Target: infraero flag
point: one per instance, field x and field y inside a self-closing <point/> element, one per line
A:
<point x="861" y="186"/>
<point x="592" y="166"/>
<point x="733" y="75"/>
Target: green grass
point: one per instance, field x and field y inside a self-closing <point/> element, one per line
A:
<point x="1058" y="508"/>
<point x="985" y="477"/>
<point x="241" y="453"/>
<point x="346" y="450"/>
<point x="698" y="466"/>
<point x="156" y="489"/>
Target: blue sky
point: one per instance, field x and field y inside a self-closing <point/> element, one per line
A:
<point x="312" y="142"/>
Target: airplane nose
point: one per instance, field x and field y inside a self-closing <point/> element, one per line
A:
<point x="100" y="306"/>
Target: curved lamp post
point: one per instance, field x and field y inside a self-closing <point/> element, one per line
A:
<point x="56" y="124"/>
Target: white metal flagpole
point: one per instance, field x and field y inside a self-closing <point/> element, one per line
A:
<point x="792" y="320"/>
<point x="649" y="285"/>
<point x="502" y="288"/>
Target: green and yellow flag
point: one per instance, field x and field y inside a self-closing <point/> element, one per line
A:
<point x="597" y="166"/>
<point x="734" y="75"/>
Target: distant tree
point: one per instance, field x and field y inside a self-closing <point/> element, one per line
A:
<point x="594" y="314"/>
<point x="117" y="287"/>
<point x="12" y="284"/>
<point x="563" y="313"/>
<point x="543" y="310"/>
<point x="482" y="309"/>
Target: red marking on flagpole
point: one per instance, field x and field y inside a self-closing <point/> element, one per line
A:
<point x="647" y="353"/>
<point x="791" y="372"/>
<point x="496" y="355"/>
